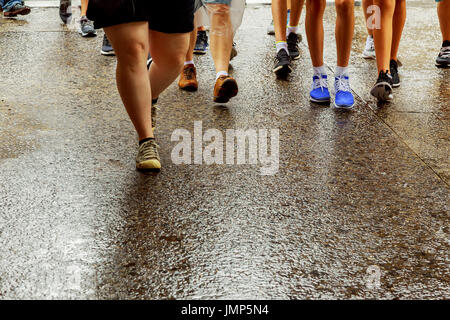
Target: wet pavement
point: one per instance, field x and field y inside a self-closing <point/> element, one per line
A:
<point x="356" y="191"/>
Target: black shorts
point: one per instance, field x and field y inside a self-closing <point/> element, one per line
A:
<point x="168" y="16"/>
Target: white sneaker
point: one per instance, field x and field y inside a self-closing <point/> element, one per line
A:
<point x="369" y="50"/>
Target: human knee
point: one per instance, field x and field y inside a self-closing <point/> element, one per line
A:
<point x="345" y="7"/>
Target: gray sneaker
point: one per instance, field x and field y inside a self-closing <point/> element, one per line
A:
<point x="87" y="27"/>
<point x="148" y="157"/>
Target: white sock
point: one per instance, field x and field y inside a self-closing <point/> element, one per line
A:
<point x="341" y="71"/>
<point x="189" y="62"/>
<point x="318" y="71"/>
<point x="221" y="73"/>
<point x="281" y="45"/>
<point x="290" y="29"/>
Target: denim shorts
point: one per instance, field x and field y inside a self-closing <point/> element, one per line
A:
<point x="227" y="2"/>
<point x="174" y="16"/>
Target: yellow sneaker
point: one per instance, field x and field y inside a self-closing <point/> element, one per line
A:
<point x="148" y="157"/>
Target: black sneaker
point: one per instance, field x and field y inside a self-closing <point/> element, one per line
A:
<point x="65" y="11"/>
<point x="443" y="59"/>
<point x="201" y="45"/>
<point x="292" y="42"/>
<point x="393" y="65"/>
<point x="282" y="64"/>
<point x="382" y="90"/>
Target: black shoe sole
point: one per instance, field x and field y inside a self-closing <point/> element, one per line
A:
<point x="442" y="65"/>
<point x="282" y="71"/>
<point x="189" y="89"/>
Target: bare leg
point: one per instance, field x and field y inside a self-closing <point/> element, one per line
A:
<point x="345" y="26"/>
<point x="296" y="12"/>
<point x="383" y="36"/>
<point x="168" y="59"/>
<point x="221" y="35"/>
<point x="314" y="30"/>
<point x="279" y="14"/>
<point x="397" y="26"/>
<point x="130" y="42"/>
<point x="365" y="5"/>
<point x="443" y="10"/>
<point x="84" y="7"/>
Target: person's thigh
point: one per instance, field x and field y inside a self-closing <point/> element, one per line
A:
<point x="129" y="39"/>
<point x="168" y="48"/>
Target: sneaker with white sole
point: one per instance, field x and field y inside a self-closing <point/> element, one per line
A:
<point x="369" y="50"/>
<point x="319" y="92"/>
<point x="382" y="90"/>
<point x="344" y="98"/>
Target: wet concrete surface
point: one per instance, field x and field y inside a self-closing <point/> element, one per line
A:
<point x="354" y="190"/>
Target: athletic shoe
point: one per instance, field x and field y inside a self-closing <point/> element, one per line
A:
<point x="188" y="78"/>
<point x="147" y="158"/>
<point x="443" y="59"/>
<point x="65" y="11"/>
<point x="382" y="90"/>
<point x="319" y="92"/>
<point x="107" y="49"/>
<point x="234" y="52"/>
<point x="344" y="98"/>
<point x="87" y="27"/>
<point x="271" y="29"/>
<point x="292" y="42"/>
<point x="201" y="46"/>
<point x="369" y="50"/>
<point x="16" y="10"/>
<point x="393" y="66"/>
<point x="225" y="89"/>
<point x="282" y="64"/>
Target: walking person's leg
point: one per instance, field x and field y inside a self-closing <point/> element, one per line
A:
<point x="86" y="26"/>
<point x="443" y="11"/>
<point x="398" y="24"/>
<point x="315" y="36"/>
<point x="382" y="89"/>
<point x="293" y="37"/>
<point x="369" y="49"/>
<point x="345" y="25"/>
<point x="282" y="65"/>
<point x="221" y="42"/>
<point x="188" y="77"/>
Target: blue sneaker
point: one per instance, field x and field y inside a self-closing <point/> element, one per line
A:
<point x="201" y="45"/>
<point x="344" y="98"/>
<point x="319" y="92"/>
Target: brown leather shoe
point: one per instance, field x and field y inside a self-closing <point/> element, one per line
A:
<point x="188" y="78"/>
<point x="225" y="89"/>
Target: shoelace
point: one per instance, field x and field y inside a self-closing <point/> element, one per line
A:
<point x="445" y="52"/>
<point x="320" y="83"/>
<point x="342" y="84"/>
<point x="149" y="149"/>
<point x="202" y="37"/>
<point x="188" y="73"/>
